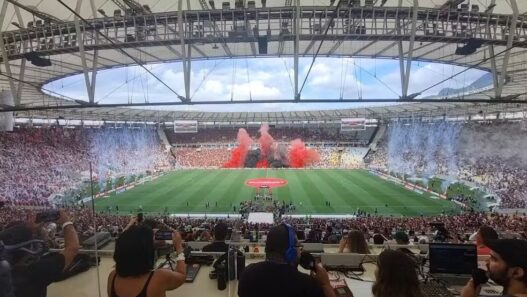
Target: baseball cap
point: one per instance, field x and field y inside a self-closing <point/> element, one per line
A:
<point x="512" y="251"/>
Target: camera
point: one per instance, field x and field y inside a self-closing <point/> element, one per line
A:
<point x="47" y="216"/>
<point x="307" y="261"/>
<point x="12" y="245"/>
<point x="163" y="251"/>
<point x="163" y="235"/>
<point x="227" y="267"/>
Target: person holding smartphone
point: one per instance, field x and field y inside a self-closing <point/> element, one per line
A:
<point x="32" y="277"/>
<point x="134" y="273"/>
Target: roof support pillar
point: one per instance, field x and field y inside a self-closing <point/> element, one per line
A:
<point x="512" y="34"/>
<point x="95" y="52"/>
<point x="405" y="71"/>
<point x="23" y="61"/>
<point x="297" y="44"/>
<point x="493" y="66"/>
<point x="410" y="49"/>
<point x="20" y="80"/>
<point x="494" y="69"/>
<point x="189" y="68"/>
<point x="80" y="41"/>
<point x="5" y="58"/>
<point x="184" y="58"/>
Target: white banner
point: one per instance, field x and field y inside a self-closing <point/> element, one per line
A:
<point x="356" y="124"/>
<point x="185" y="126"/>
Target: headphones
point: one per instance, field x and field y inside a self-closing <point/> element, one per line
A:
<point x="290" y="255"/>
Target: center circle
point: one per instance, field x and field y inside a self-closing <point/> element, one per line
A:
<point x="268" y="182"/>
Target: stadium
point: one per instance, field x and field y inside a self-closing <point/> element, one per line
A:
<point x="399" y="120"/>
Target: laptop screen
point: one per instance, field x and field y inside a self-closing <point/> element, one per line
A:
<point x="453" y="258"/>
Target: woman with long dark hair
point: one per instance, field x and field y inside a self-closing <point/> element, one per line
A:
<point x="354" y="242"/>
<point x="134" y="273"/>
<point x="396" y="276"/>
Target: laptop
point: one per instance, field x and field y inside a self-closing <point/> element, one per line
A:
<point x="452" y="264"/>
<point x="347" y="262"/>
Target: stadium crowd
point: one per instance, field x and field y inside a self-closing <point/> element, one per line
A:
<point x="330" y="157"/>
<point x="201" y="157"/>
<point x="312" y="134"/>
<point x="327" y="230"/>
<point x="36" y="163"/>
<point x="506" y="177"/>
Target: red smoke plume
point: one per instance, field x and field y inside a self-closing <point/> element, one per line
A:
<point x="300" y="156"/>
<point x="240" y="152"/>
<point x="265" y="140"/>
<point x="262" y="164"/>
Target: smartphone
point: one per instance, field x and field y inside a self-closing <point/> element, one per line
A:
<point x="140" y="217"/>
<point x="163" y="235"/>
<point x="47" y="216"/>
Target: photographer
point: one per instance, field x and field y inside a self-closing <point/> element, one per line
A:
<point x="278" y="275"/>
<point x="135" y="257"/>
<point x="32" y="274"/>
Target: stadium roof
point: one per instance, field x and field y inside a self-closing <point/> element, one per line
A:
<point x="147" y="31"/>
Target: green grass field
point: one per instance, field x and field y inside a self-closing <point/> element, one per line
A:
<point x="347" y="190"/>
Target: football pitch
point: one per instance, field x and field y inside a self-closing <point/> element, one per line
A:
<point x="189" y="191"/>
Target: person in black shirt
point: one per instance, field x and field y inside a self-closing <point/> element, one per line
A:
<point x="30" y="279"/>
<point x="507" y="267"/>
<point x="134" y="273"/>
<point x="219" y="245"/>
<point x="378" y="238"/>
<point x="278" y="276"/>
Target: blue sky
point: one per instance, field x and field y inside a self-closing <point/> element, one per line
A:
<point x="265" y="78"/>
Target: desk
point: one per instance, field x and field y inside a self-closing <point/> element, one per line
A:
<point x="86" y="285"/>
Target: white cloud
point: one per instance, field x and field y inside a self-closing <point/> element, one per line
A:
<point x="266" y="79"/>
